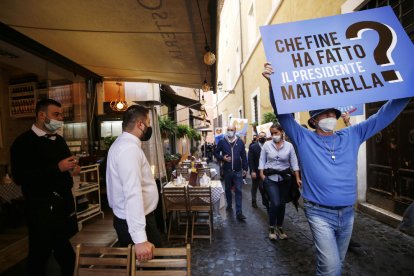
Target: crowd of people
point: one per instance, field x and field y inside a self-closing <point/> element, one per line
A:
<point x="311" y="160"/>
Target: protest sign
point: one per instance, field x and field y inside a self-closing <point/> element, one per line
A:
<point x="264" y="128"/>
<point x="240" y="125"/>
<point x="341" y="60"/>
<point x="218" y="134"/>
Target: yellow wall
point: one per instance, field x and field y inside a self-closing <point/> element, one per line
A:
<point x="254" y="58"/>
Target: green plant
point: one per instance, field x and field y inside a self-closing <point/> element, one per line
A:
<point x="171" y="157"/>
<point x="197" y="136"/>
<point x="108" y="140"/>
<point x="254" y="124"/>
<point x="269" y="117"/>
<point x="167" y="126"/>
<point x="192" y="133"/>
<point x="182" y="131"/>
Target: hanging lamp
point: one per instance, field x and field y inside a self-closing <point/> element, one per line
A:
<point x="119" y="104"/>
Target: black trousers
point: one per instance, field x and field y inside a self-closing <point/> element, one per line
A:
<point x="47" y="235"/>
<point x="124" y="238"/>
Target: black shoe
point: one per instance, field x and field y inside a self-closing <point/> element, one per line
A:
<point x="240" y="216"/>
<point x="254" y="204"/>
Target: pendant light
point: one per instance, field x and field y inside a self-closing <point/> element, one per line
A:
<point x="119" y="104"/>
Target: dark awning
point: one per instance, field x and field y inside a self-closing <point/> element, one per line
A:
<point x="168" y="96"/>
<point x="130" y="40"/>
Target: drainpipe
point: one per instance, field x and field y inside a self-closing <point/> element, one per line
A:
<point x="242" y="55"/>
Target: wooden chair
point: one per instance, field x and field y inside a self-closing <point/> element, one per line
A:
<point x="202" y="171"/>
<point x="166" y="262"/>
<point x="176" y="205"/>
<point x="201" y="207"/>
<point x="98" y="260"/>
<point x="183" y="171"/>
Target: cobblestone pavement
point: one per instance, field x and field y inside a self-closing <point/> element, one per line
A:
<point x="243" y="248"/>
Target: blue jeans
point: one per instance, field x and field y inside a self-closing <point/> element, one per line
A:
<point x="276" y="207"/>
<point x="235" y="179"/>
<point x="331" y="230"/>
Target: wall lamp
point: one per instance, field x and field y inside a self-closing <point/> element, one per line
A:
<point x="220" y="88"/>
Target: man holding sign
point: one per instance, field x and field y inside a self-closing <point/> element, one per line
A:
<point x="328" y="165"/>
<point x="336" y="61"/>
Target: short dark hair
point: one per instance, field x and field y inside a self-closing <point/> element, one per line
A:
<point x="277" y="126"/>
<point x="42" y="105"/>
<point x="132" y="114"/>
<point x="263" y="133"/>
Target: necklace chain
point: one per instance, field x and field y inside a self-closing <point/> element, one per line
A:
<point x="332" y="152"/>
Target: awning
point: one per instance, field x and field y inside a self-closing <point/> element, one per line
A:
<point x="130" y="40"/>
<point x="169" y="96"/>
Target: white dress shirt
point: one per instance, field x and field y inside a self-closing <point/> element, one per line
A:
<point x="131" y="188"/>
<point x="40" y="132"/>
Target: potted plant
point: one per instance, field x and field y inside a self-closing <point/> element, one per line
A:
<point x="167" y="126"/>
<point x="269" y="117"/>
<point x="182" y="131"/>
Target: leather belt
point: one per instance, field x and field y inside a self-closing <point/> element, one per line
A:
<point x="324" y="206"/>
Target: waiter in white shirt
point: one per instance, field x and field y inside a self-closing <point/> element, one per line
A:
<point x="131" y="188"/>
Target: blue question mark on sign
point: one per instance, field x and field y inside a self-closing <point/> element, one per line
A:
<point x="386" y="44"/>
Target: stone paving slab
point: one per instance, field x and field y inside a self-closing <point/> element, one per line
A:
<point x="243" y="248"/>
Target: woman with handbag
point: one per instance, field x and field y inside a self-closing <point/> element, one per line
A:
<point x="277" y="161"/>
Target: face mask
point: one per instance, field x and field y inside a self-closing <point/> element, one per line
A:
<point x="53" y="125"/>
<point x="327" y="124"/>
<point x="262" y="140"/>
<point x="147" y="132"/>
<point x="230" y="134"/>
<point x="276" y="138"/>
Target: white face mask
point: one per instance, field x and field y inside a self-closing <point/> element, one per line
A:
<point x="327" y="124"/>
<point x="230" y="134"/>
<point x="276" y="138"/>
<point x="54" y="125"/>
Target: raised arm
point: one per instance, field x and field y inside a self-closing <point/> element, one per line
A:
<point x="290" y="126"/>
<point x="380" y="120"/>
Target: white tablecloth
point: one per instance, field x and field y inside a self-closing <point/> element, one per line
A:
<point x="213" y="172"/>
<point x="217" y="191"/>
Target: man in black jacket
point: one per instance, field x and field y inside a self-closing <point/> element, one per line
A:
<point x="230" y="150"/>
<point x="43" y="165"/>
<point x="253" y="157"/>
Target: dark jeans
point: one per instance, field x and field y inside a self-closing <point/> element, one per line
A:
<point x="235" y="179"/>
<point x="124" y="238"/>
<point x="277" y="206"/>
<point x="258" y="184"/>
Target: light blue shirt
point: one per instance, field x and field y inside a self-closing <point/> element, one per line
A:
<point x="332" y="181"/>
<point x="278" y="159"/>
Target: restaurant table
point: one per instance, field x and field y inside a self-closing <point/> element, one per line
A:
<point x="213" y="173"/>
<point x="217" y="191"/>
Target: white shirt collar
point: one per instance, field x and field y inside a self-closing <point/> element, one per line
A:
<point x="41" y="133"/>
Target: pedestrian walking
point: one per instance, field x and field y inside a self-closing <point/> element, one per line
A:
<point x="232" y="152"/>
<point x="257" y="183"/>
<point x="277" y="161"/>
<point x="328" y="166"/>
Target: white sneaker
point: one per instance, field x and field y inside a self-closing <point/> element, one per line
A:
<point x="272" y="233"/>
<point x="281" y="234"/>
